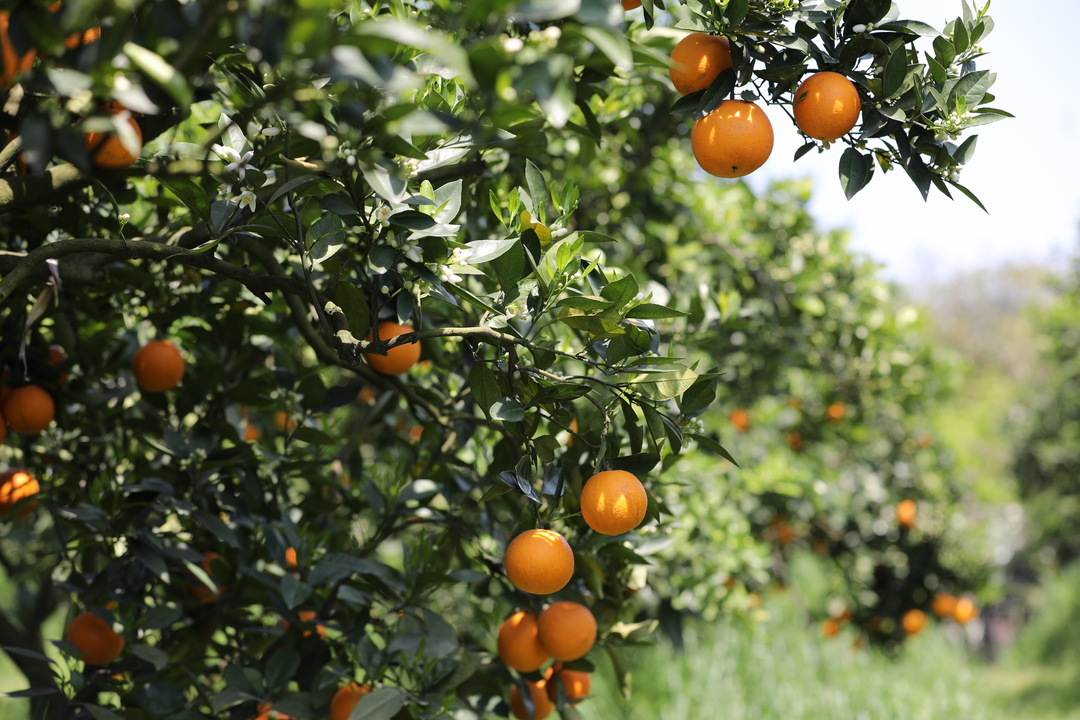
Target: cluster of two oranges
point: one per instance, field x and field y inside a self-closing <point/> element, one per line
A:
<point x="737" y="138"/>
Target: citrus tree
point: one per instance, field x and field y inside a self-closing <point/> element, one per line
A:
<point x="332" y="377"/>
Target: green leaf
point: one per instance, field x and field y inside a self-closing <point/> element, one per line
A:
<point x="100" y="713"/>
<point x="281" y="668"/>
<point x="158" y="698"/>
<point x="294" y="592"/>
<point x="325" y="238"/>
<point x="154" y="67"/>
<point x="716" y="93"/>
<point x="665" y="385"/>
<point x="508" y="410"/>
<point x="586" y="302"/>
<point x="189" y="193"/>
<point x="612" y="43"/>
<point x="712" y="446"/>
<point x="162" y="616"/>
<point x="736" y="10"/>
<point x="538" y="191"/>
<point x="896" y="69"/>
<point x="652" y="311"/>
<point x="216" y="526"/>
<point x="944" y="51"/>
<point x="485" y="387"/>
<point x="966" y="150"/>
<point x="699" y="396"/>
<point x="385" y="181"/>
<point x="621" y="291"/>
<point x="855" y="171"/>
<point x="380" y="704"/>
<point x="155" y="656"/>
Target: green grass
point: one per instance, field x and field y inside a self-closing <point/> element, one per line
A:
<point x="785" y="670"/>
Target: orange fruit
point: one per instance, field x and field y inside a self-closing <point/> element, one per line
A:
<point x="14" y="65"/>
<point x="16" y="485"/>
<point x="285" y="423"/>
<point x="29" y="409"/>
<point x="965" y="611"/>
<point x="905" y="514"/>
<point x="106" y="149"/>
<point x="542" y="705"/>
<point x="733" y="140"/>
<point x="366" y="396"/>
<point x="830" y="627"/>
<point x="345" y="700"/>
<point x="740" y="419"/>
<point x="158" y="366"/>
<point x="399" y="359"/>
<point x="203" y="594"/>
<point x="782" y="531"/>
<point x="944" y="605"/>
<point x="697" y="60"/>
<point x="631" y="4"/>
<point x="826" y="106"/>
<point x="794" y="440"/>
<point x="613" y="502"/>
<point x="577" y="685"/>
<point x="415" y="433"/>
<point x="573" y="427"/>
<point x="95" y="639"/>
<point x="252" y="433"/>
<point x="913" y="621"/>
<point x="567" y="630"/>
<point x="306" y="616"/>
<point x="56" y="357"/>
<point x="290" y="557"/>
<point x="835" y="412"/>
<point x="519" y="643"/>
<point x="539" y="562"/>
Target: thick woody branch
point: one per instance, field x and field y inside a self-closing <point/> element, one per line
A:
<point x="20" y="192"/>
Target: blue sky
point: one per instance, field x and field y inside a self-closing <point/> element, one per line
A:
<point x="1024" y="169"/>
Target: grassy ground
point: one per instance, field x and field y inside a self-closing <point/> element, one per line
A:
<point x="783" y="669"/>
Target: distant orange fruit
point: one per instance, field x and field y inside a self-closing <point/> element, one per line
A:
<point x="965" y="611"/>
<point x="697" y="60"/>
<point x="400" y="359"/>
<point x="944" y="605"/>
<point x="252" y="433"/>
<point x="285" y="423"/>
<point x="733" y="140"/>
<point x="782" y="531"/>
<point x="16" y="485"/>
<point x="835" y="412"/>
<point x="567" y="630"/>
<point x="158" y="366"/>
<point x="794" y="440"/>
<point x="740" y="419"/>
<point x="518" y="642"/>
<point x="107" y="150"/>
<point x="203" y="594"/>
<point x="913" y="621"/>
<point x="366" y="396"/>
<point x="631" y="4"/>
<point x="415" y="432"/>
<point x="542" y="705"/>
<point x="539" y="562"/>
<point x="56" y="357"/>
<point x="95" y="639"/>
<point x="830" y="627"/>
<point x="576" y="684"/>
<point x="573" y="428"/>
<point x="826" y="106"/>
<point x="14" y="64"/>
<point x="345" y="700"/>
<point x="266" y="711"/>
<point x="613" y="502"/>
<point x="290" y="557"/>
<point x="29" y="409"/>
<point x="306" y="616"/>
<point x="905" y="513"/>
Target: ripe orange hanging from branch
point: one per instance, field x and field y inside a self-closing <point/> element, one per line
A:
<point x="16" y="485"/>
<point x="518" y="642"/>
<point x="566" y="630"/>
<point x="905" y="514"/>
<point x="697" y="60"/>
<point x="98" y="643"/>
<point x="14" y="64"/>
<point x="734" y="140"/>
<point x="827" y="106"/>
<point x="542" y="705"/>
<point x="29" y="409"/>
<point x="539" y="562"/>
<point x="158" y="366"/>
<point x="576" y="684"/>
<point x="400" y="359"/>
<point x="345" y="700"/>
<point x="107" y="149"/>
<point x="613" y="502"/>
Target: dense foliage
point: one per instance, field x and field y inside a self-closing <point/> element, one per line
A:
<point x="504" y="178"/>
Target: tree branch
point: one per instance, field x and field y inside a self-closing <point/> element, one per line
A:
<point x="19" y="192"/>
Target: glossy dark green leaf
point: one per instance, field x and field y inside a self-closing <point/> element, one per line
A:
<point x="855" y="171"/>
